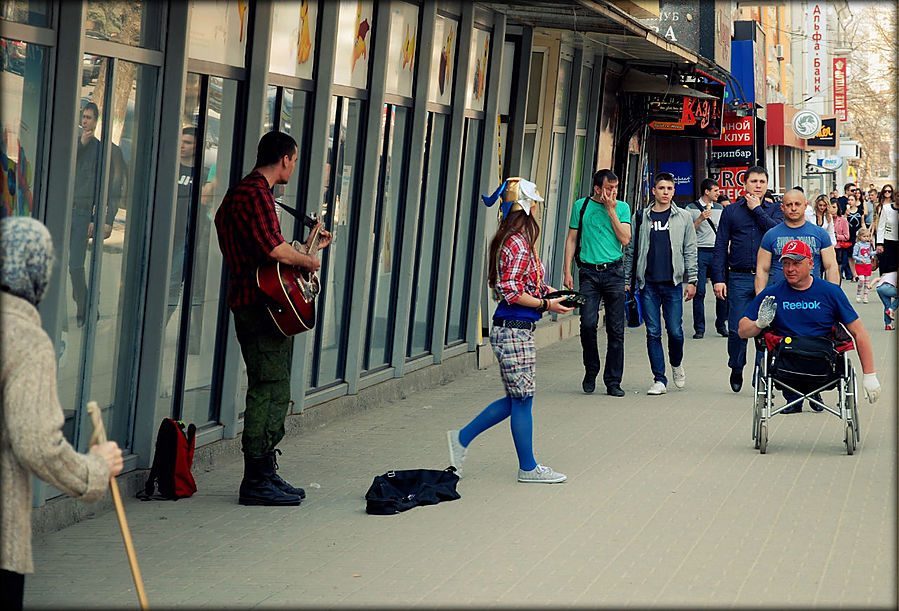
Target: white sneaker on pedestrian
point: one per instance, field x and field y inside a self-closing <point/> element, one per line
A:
<point x="657" y="388"/>
<point x="865" y="300"/>
<point x="858" y="299"/>
<point x="457" y="451"/>
<point x="680" y="376"/>
<point x="541" y="474"/>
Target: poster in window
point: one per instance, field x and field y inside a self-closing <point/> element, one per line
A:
<point x="218" y="31"/>
<point x="444" y="58"/>
<point x="477" y="70"/>
<point x="401" y="51"/>
<point x="293" y="38"/>
<point x="354" y="25"/>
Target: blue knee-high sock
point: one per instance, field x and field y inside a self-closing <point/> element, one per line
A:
<point x="492" y="415"/>
<point x="523" y="431"/>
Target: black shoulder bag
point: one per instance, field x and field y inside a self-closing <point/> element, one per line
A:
<point x="580" y="226"/>
<point x="632" y="301"/>
<point x="709" y="221"/>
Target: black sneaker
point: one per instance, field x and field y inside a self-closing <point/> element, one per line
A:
<point x="698" y="335"/>
<point x="589" y="383"/>
<point x="817" y="397"/>
<point x="722" y="332"/>
<point x="736" y="379"/>
<point x="794" y="409"/>
<point x="614" y="390"/>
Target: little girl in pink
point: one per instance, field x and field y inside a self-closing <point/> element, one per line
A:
<point x="861" y="253"/>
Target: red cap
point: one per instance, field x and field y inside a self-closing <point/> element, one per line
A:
<point x="796" y="250"/>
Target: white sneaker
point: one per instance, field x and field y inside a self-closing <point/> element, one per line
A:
<point x="680" y="376"/>
<point x="865" y="300"/>
<point x="858" y="299"/>
<point x="541" y="474"/>
<point x="657" y="388"/>
<point x="457" y="451"/>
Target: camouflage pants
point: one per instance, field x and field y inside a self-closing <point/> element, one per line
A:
<point x="267" y="355"/>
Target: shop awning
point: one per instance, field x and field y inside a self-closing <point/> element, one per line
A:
<point x="637" y="81"/>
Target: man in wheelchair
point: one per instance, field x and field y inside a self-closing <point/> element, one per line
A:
<point x="801" y="307"/>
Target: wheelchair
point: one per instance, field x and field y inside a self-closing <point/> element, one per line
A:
<point x="805" y="366"/>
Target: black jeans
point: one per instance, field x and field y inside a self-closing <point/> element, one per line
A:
<point x="608" y="286"/>
<point x="12" y="590"/>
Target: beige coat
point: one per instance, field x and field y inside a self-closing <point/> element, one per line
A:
<point x="31" y="439"/>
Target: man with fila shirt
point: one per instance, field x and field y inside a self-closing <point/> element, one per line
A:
<point x="769" y="270"/>
<point x="706" y="214"/>
<point x="804" y="305"/>
<point x="740" y="232"/>
<point x="665" y="258"/>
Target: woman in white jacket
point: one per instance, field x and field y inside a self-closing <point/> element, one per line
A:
<point x="31" y="419"/>
<point x="887" y="219"/>
<point x="823" y="217"/>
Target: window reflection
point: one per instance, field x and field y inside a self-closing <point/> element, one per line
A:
<point x="388" y="216"/>
<point x="428" y="237"/>
<point x="131" y="23"/>
<point x="32" y="12"/>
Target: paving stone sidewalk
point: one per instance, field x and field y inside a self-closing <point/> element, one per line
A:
<point x="667" y="505"/>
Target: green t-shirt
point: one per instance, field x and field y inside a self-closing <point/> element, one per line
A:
<point x="598" y="242"/>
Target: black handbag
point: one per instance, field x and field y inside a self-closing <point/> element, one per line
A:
<point x="397" y="491"/>
<point x="804" y="363"/>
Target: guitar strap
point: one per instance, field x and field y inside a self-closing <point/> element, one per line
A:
<point x="305" y="219"/>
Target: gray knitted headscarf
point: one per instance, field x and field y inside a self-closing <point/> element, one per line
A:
<point x="26" y="257"/>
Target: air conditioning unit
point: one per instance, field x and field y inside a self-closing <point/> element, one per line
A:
<point x="779" y="52"/>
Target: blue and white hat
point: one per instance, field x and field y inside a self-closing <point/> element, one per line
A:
<point x="517" y="194"/>
<point x="26" y="257"/>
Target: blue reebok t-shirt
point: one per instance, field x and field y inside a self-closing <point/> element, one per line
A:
<point x="808" y="313"/>
<point x="777" y="237"/>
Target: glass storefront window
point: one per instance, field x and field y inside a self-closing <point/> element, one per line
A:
<point x="131" y="23"/>
<point x="402" y="48"/>
<point x="584" y="97"/>
<point x="106" y="258"/>
<point x="24" y="81"/>
<point x="475" y="95"/>
<point x="327" y="352"/>
<point x="428" y="236"/>
<point x="563" y="93"/>
<point x="218" y="32"/>
<point x="354" y="40"/>
<point x="535" y="88"/>
<point x="549" y="211"/>
<point x="388" y="216"/>
<point x="293" y="38"/>
<point x="443" y="63"/>
<point x="466" y="209"/>
<point x="31" y="12"/>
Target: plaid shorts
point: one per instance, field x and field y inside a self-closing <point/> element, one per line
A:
<point x="517" y="356"/>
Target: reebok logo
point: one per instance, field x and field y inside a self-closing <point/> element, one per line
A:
<point x="801" y="305"/>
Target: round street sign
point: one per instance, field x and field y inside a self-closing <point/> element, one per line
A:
<point x="806" y="124"/>
<point x="831" y="162"/>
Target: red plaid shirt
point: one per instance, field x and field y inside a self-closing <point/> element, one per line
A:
<point x="520" y="271"/>
<point x="248" y="230"/>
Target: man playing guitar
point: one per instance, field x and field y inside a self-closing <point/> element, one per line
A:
<point x="250" y="235"/>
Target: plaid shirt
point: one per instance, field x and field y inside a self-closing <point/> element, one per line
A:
<point x="248" y="230"/>
<point x="519" y="272"/>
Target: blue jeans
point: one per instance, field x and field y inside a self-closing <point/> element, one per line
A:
<point x="704" y="261"/>
<point x="606" y="286"/>
<point x="887" y="294"/>
<point x="660" y="299"/>
<point x="740" y="293"/>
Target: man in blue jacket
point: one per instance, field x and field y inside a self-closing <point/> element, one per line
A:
<point x="740" y="232"/>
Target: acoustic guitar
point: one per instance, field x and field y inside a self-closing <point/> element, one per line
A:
<point x="291" y="291"/>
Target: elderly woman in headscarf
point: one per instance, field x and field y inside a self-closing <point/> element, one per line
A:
<point x="31" y="418"/>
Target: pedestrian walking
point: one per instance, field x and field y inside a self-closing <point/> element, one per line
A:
<point x="706" y="213"/>
<point x="598" y="230"/>
<point x="665" y="263"/>
<point x="823" y="217"/>
<point x="769" y="270"/>
<point x="844" y="246"/>
<point x="886" y="290"/>
<point x="515" y="274"/>
<point x="31" y="422"/>
<point x="862" y="254"/>
<point x="887" y="223"/>
<point x="740" y="232"/>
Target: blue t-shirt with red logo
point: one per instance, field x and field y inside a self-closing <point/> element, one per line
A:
<point x="777" y="237"/>
<point x="808" y="313"/>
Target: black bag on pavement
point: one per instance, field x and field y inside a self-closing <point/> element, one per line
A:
<point x="398" y="491"/>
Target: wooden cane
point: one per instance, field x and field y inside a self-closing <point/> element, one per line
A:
<point x="99" y="436"/>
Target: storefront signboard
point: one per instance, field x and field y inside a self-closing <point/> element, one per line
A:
<point x="737" y="143"/>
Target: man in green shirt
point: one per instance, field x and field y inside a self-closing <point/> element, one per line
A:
<point x="597" y="232"/>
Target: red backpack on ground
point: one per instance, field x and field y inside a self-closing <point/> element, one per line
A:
<point x="172" y="462"/>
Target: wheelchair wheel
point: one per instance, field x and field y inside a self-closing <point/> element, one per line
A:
<point x="763" y="437"/>
<point x="756" y="417"/>
<point x="850" y="439"/>
<point x="853" y="405"/>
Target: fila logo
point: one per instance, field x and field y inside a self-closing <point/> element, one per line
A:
<point x="660" y="226"/>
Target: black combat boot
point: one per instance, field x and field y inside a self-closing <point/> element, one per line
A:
<point x="257" y="487"/>
<point x="278" y="481"/>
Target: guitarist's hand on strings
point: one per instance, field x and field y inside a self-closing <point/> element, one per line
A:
<point x="324" y="238"/>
